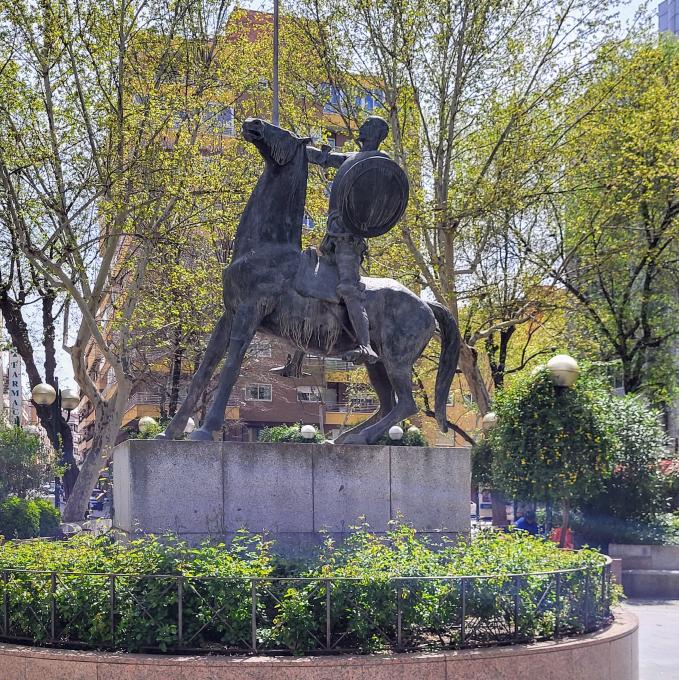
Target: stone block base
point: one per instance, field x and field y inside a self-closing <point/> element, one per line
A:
<point x="291" y="491"/>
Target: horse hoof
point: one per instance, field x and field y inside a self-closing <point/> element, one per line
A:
<point x="162" y="435"/>
<point x="200" y="435"/>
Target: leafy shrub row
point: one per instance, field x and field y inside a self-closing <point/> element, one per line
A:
<point x="23" y="518"/>
<point x="288" y="434"/>
<point x="216" y="591"/>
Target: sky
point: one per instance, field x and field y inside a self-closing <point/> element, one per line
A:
<point x="627" y="11"/>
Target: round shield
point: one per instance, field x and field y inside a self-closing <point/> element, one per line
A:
<point x="373" y="195"/>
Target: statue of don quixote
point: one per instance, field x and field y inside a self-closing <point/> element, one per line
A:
<point x="319" y="301"/>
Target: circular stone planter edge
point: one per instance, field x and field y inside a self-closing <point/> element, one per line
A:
<point x="609" y="654"/>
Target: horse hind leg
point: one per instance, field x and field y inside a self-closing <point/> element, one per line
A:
<point x="219" y="341"/>
<point x="379" y="379"/>
<point x="401" y="380"/>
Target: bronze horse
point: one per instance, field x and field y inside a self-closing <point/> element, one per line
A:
<point x="259" y="295"/>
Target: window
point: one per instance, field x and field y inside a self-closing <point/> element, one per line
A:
<point x="369" y="100"/>
<point x="335" y="101"/>
<point x="220" y="119"/>
<point x="258" y="392"/>
<point x="259" y="348"/>
<point x="307" y="393"/>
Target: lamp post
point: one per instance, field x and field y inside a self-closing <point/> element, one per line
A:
<point x="44" y="394"/>
<point x="396" y="433"/>
<point x="489" y="421"/>
<point x="563" y="370"/>
<point x="275" y="117"/>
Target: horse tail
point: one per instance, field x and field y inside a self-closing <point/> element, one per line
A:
<point x="450" y="353"/>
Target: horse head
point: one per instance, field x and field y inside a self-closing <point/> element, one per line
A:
<point x="275" y="144"/>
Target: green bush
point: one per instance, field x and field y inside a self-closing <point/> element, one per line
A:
<point x="288" y="434"/>
<point x="24" y="518"/>
<point x="412" y="436"/>
<point x="19" y="518"/>
<point x="216" y="589"/>
<point x="364" y="600"/>
<point x="25" y="461"/>
<point x="50" y="517"/>
<point x="634" y="488"/>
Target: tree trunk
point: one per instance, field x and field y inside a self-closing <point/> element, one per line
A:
<point x="108" y="417"/>
<point x="565" y="517"/>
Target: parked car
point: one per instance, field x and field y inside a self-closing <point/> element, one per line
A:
<point x="97" y="499"/>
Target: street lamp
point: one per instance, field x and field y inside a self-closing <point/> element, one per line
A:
<point x="396" y="433"/>
<point x="67" y="399"/>
<point x="308" y="432"/>
<point x="489" y="421"/>
<point x="563" y="370"/>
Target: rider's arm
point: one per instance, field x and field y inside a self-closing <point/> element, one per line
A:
<point x="325" y="157"/>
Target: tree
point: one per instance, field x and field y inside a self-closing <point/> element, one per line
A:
<point x="634" y="488"/>
<point x="21" y="285"/>
<point x="616" y="216"/>
<point x="474" y="93"/>
<point x="25" y="461"/>
<point x="116" y="160"/>
<point x="90" y="94"/>
<point x="552" y="443"/>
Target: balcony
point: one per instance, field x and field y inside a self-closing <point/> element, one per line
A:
<point x="349" y="412"/>
<point x="142" y="404"/>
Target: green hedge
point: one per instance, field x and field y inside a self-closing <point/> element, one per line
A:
<point x="291" y="613"/>
<point x="22" y="518"/>
<point x="288" y="434"/>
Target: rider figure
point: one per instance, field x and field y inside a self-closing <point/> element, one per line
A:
<point x="340" y="245"/>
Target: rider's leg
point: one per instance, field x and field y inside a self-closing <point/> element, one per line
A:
<point x="352" y="292"/>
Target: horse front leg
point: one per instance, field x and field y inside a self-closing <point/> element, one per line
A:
<point x="216" y="349"/>
<point x="245" y="324"/>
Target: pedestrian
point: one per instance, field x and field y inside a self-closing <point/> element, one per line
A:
<point x="527" y="523"/>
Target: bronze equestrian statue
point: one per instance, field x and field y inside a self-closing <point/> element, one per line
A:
<point x="273" y="287"/>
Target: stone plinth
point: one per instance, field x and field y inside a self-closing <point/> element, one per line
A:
<point x="292" y="491"/>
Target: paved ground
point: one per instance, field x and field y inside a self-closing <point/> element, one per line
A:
<point x="658" y="638"/>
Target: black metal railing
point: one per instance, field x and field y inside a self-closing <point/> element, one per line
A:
<point x="229" y="615"/>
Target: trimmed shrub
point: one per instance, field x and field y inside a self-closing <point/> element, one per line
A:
<point x="411" y="437"/>
<point x="288" y="434"/>
<point x="50" y="517"/>
<point x="216" y="587"/>
<point x="19" y="518"/>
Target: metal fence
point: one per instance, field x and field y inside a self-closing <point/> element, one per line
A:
<point x="236" y="615"/>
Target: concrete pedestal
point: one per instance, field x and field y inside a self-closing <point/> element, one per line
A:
<point x="292" y="491"/>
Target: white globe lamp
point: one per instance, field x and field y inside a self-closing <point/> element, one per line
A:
<point x="563" y="370"/>
<point x="395" y="433"/>
<point x="489" y="421"/>
<point x="308" y="431"/>
<point x="70" y="398"/>
<point x="43" y="394"/>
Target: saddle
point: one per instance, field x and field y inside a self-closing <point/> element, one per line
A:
<point x="316" y="277"/>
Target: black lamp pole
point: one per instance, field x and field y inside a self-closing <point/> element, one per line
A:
<point x="56" y="416"/>
<point x="275" y="117"/>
